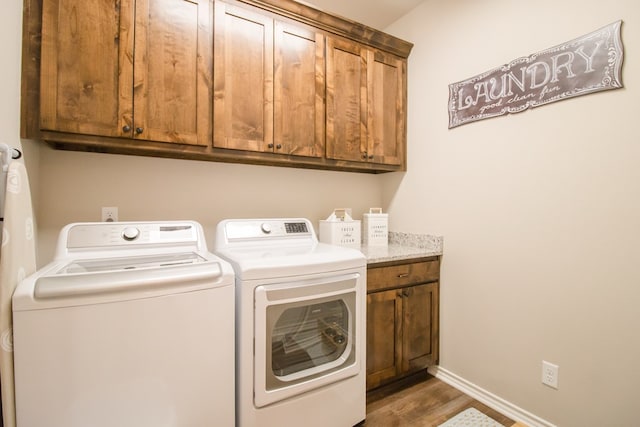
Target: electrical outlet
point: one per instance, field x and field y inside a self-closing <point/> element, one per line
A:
<point x="109" y="214"/>
<point x="550" y="374"/>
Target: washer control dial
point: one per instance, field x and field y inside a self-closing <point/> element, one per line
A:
<point x="130" y="233"/>
<point x="266" y="228"/>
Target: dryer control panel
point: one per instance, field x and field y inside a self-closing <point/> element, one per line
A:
<point x="234" y="231"/>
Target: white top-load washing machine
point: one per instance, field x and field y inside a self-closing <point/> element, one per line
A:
<point x="131" y="325"/>
<point x="301" y="324"/>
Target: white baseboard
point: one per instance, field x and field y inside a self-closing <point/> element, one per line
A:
<point x="491" y="400"/>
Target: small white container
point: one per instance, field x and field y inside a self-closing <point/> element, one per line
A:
<point x="375" y="225"/>
<point x="340" y="229"/>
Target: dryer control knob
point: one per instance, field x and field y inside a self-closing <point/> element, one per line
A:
<point x="266" y="228"/>
<point x="130" y="233"/>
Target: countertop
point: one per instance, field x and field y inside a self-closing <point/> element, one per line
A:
<point x="403" y="246"/>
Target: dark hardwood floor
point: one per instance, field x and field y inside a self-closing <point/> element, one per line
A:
<point x="421" y="401"/>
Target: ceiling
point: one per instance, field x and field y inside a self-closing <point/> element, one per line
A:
<point x="374" y="13"/>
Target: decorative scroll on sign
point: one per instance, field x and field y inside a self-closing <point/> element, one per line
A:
<point x="587" y="64"/>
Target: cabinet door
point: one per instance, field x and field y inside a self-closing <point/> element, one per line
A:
<point x="420" y="326"/>
<point x="104" y="72"/>
<point x="80" y="87"/>
<point x="384" y="330"/>
<point x="299" y="91"/>
<point x="243" y="79"/>
<point x="346" y="100"/>
<point x="172" y="71"/>
<point x="386" y="84"/>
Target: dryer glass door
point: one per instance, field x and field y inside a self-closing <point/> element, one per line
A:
<point x="305" y="336"/>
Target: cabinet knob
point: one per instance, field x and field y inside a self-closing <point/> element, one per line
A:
<point x="370" y="156"/>
<point x="126" y="128"/>
<point x="270" y="145"/>
<point x="406" y="293"/>
<point x="364" y="155"/>
<point x="279" y="146"/>
<point x="403" y="275"/>
<point x="139" y="130"/>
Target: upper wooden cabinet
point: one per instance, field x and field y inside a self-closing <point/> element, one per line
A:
<point x="299" y="116"/>
<point x="268" y="84"/>
<point x="386" y="108"/>
<point x="243" y="79"/>
<point x="271" y="82"/>
<point x="135" y="69"/>
<point x="346" y="100"/>
<point x="366" y="96"/>
<point x="80" y="86"/>
<point x="172" y="71"/>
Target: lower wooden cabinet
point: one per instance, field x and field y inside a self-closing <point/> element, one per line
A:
<point x="402" y="319"/>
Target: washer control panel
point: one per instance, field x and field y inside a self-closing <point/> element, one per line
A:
<point x="95" y="235"/>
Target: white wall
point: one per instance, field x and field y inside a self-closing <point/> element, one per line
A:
<point x="10" y="49"/>
<point x="75" y="185"/>
<point x="540" y="211"/>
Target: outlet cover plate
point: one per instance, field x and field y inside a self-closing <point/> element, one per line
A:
<point x="550" y="374"/>
<point x="110" y="214"/>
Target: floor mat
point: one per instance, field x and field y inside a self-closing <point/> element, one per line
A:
<point x="471" y="417"/>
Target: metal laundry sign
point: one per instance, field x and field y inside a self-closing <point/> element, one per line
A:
<point x="587" y="64"/>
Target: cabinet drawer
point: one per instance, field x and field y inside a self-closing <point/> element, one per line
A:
<point x="396" y="276"/>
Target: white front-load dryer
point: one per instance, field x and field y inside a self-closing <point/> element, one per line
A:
<point x="301" y="325"/>
<point x="132" y="325"/>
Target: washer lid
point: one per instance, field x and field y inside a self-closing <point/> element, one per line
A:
<point x="75" y="282"/>
<point x="124" y="280"/>
<point x="99" y="263"/>
<point x="130" y="263"/>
